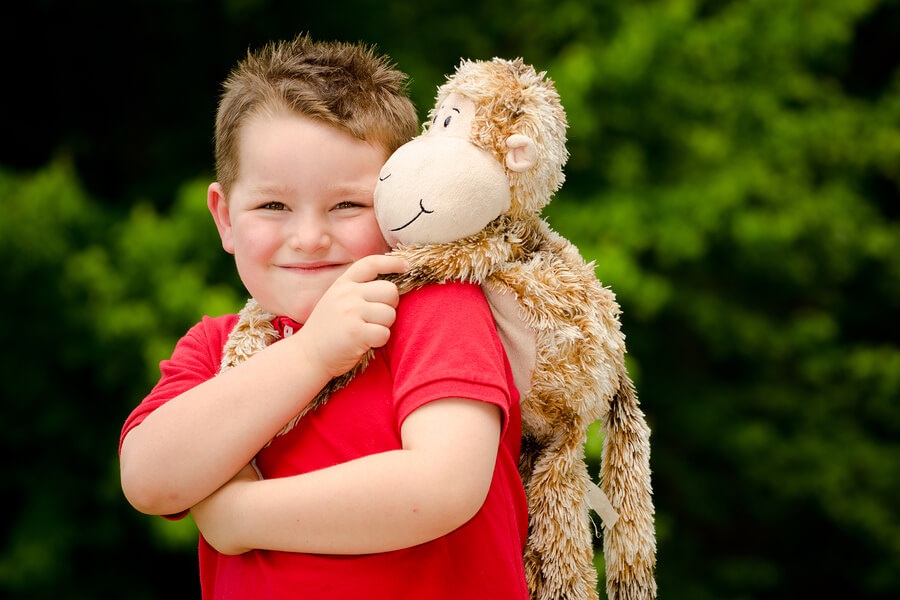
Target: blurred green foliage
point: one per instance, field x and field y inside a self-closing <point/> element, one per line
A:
<point x="734" y="173"/>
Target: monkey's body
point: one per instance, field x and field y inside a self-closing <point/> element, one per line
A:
<point x="544" y="293"/>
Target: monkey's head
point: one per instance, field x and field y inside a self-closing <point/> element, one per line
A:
<point x="495" y="144"/>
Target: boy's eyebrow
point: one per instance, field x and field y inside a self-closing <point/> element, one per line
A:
<point x="352" y="188"/>
<point x="338" y="188"/>
<point x="270" y="190"/>
<point x="264" y="189"/>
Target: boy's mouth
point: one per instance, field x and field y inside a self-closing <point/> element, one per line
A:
<point x="310" y="267"/>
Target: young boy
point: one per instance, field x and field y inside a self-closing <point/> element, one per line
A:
<point x="404" y="484"/>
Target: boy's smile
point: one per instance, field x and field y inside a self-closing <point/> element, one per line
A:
<point x="300" y="211"/>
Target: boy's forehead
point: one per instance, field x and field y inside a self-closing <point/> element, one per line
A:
<point x="280" y="153"/>
<point x="263" y="122"/>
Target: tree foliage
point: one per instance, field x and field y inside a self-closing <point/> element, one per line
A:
<point x="734" y="173"/>
<point x="746" y="215"/>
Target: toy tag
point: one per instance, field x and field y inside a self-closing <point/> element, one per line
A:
<point x="598" y="501"/>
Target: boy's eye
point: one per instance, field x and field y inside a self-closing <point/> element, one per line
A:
<point x="347" y="204"/>
<point x="273" y="206"/>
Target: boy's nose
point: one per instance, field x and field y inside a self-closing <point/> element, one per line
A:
<point x="308" y="235"/>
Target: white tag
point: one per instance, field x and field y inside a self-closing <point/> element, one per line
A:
<point x="598" y="501"/>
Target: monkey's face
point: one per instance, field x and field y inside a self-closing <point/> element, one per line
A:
<point x="440" y="187"/>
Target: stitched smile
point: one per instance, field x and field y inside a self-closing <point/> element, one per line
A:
<point x="422" y="211"/>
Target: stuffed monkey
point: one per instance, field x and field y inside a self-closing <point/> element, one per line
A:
<point x="462" y="202"/>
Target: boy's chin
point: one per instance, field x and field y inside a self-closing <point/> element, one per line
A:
<point x="297" y="313"/>
<point x="297" y="316"/>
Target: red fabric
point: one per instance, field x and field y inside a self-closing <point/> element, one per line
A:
<point x="442" y="345"/>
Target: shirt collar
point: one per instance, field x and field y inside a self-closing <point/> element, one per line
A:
<point x="286" y="326"/>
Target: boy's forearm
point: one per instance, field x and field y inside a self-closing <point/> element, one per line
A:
<point x="372" y="504"/>
<point x="377" y="504"/>
<point x="193" y="444"/>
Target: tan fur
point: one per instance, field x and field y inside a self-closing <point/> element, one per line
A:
<point x="579" y="373"/>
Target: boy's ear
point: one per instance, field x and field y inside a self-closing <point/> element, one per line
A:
<point x="218" y="208"/>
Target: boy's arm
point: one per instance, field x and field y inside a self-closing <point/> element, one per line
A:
<point x="193" y="444"/>
<point x="377" y="503"/>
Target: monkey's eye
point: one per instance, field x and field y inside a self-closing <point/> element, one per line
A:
<point x="436" y="114"/>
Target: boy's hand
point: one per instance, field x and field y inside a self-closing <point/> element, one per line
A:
<point x="354" y="314"/>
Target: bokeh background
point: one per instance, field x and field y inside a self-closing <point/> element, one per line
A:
<point x="734" y="173"/>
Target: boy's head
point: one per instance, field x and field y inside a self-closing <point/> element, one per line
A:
<point x="347" y="86"/>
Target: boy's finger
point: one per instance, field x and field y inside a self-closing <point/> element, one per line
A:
<point x="381" y="291"/>
<point x="370" y="267"/>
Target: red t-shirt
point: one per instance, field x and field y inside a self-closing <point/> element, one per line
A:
<point x="443" y="345"/>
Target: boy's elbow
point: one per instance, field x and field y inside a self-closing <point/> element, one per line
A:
<point x="142" y="485"/>
<point x="460" y="491"/>
<point x="472" y="505"/>
<point x="460" y="505"/>
<point x="141" y="498"/>
<point x="224" y="544"/>
<point x="147" y="498"/>
<point x="229" y="550"/>
<point x="134" y="491"/>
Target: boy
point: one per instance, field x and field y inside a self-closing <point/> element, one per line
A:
<point x="404" y="484"/>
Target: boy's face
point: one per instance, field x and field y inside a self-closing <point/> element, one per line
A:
<point x="300" y="211"/>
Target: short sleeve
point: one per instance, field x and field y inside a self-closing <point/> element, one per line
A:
<point x="195" y="359"/>
<point x="444" y="344"/>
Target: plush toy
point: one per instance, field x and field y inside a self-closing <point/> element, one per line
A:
<point x="462" y="202"/>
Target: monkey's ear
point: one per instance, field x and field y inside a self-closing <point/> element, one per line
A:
<point x="521" y="154"/>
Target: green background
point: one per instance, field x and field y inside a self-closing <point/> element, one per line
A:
<point x="734" y="174"/>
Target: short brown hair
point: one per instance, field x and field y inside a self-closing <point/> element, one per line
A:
<point x="346" y="85"/>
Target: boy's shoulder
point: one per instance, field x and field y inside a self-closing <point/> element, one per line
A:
<point x="456" y="298"/>
<point x="219" y="323"/>
<point x="210" y="331"/>
<point x="444" y="291"/>
<point x="451" y="300"/>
